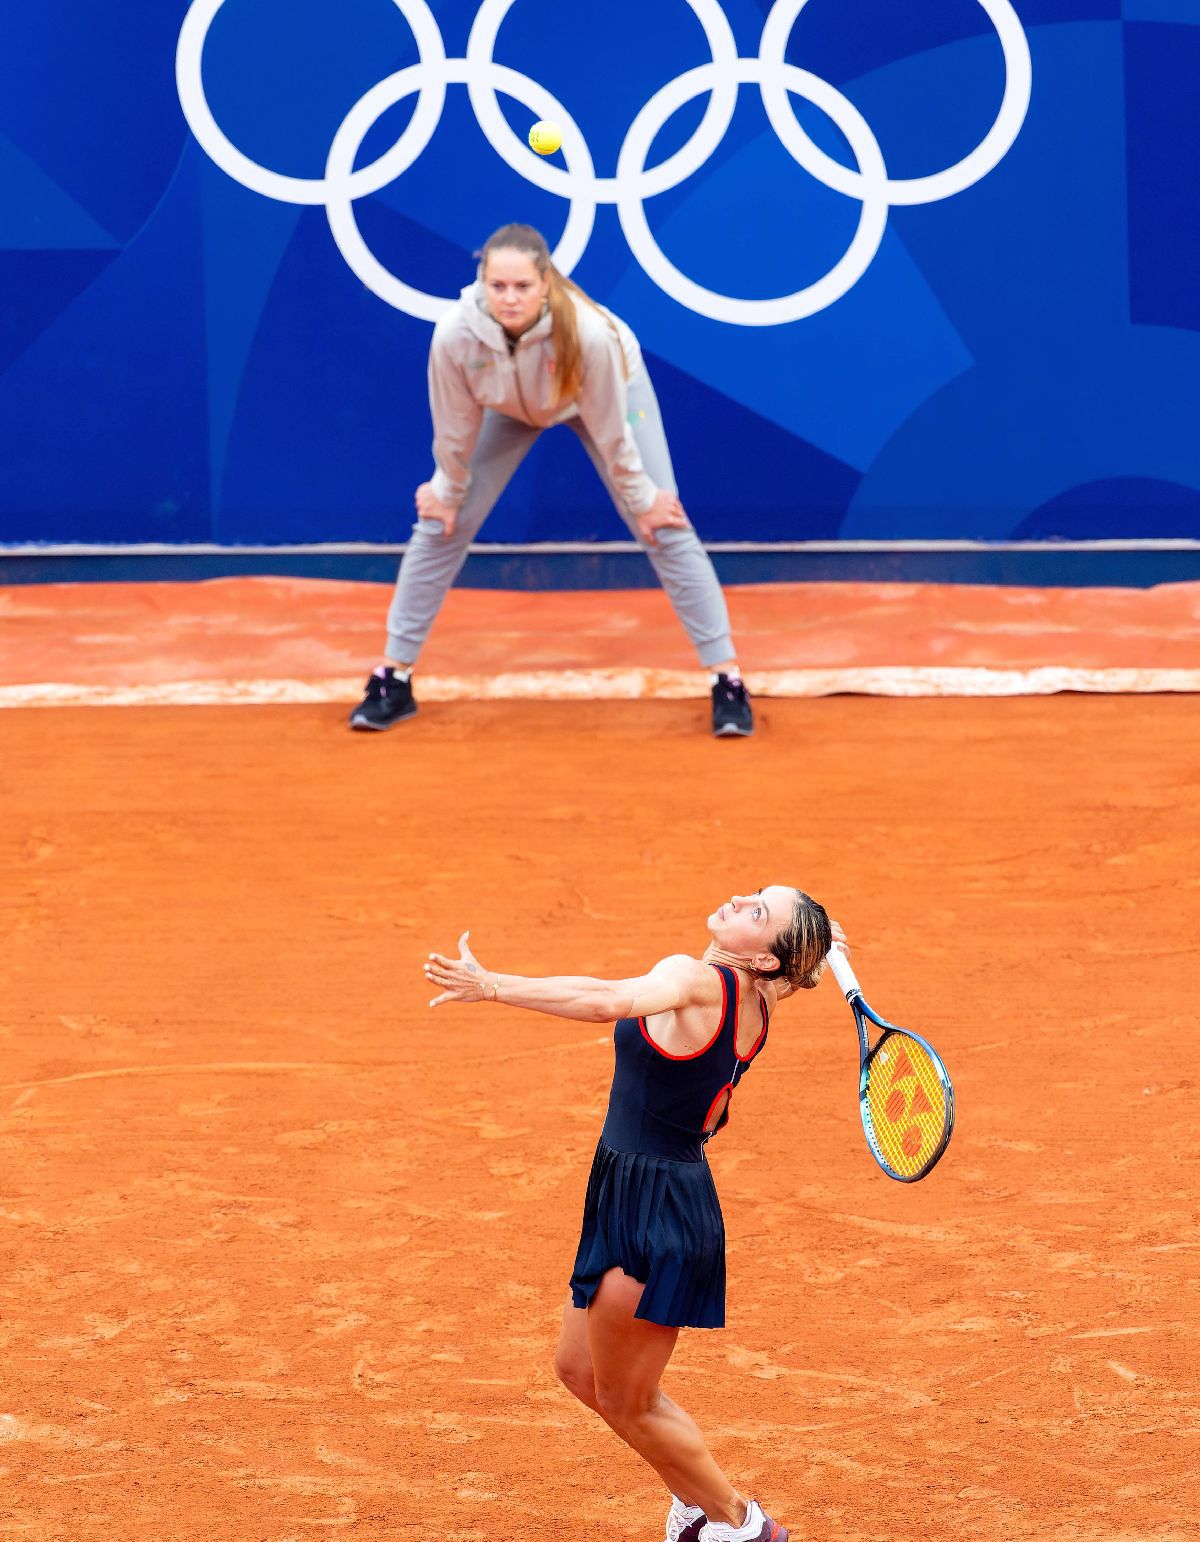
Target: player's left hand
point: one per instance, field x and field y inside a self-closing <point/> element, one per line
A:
<point x="665" y="513"/>
<point x="461" y="979"/>
<point x="839" y="937"/>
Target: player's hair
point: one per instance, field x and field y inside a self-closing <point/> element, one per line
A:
<point x="802" y="944"/>
<point x="564" y="331"/>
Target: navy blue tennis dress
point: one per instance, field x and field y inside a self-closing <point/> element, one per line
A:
<point x="651" y="1207"/>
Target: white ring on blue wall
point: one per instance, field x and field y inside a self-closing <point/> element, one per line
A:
<point x="845" y="273"/>
<point x="367" y="111"/>
<point x="189" y="80"/>
<point x="687" y="160"/>
<point x="992" y="148"/>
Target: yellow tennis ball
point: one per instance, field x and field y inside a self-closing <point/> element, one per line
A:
<point x="545" y="137"/>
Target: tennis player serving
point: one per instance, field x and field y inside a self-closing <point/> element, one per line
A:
<point x="651" y="1256"/>
<point x="522" y="350"/>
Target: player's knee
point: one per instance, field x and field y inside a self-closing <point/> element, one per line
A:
<point x="427" y="530"/>
<point x="623" y="1405"/>
<point x="576" y="1376"/>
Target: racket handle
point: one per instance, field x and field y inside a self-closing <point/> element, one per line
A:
<point x="842" y="971"/>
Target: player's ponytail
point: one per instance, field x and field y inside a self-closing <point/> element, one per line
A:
<point x="564" y="326"/>
<point x="803" y="943"/>
<point x="564" y="333"/>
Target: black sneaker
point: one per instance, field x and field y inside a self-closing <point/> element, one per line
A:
<point x="386" y="702"/>
<point x="731" y="708"/>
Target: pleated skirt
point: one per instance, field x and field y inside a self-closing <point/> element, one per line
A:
<point x="659" y="1221"/>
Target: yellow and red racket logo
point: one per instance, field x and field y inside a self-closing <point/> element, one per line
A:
<point x="907" y="1104"/>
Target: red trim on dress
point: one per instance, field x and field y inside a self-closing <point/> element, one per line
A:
<point x="757" y="1045"/>
<point x="695" y="1055"/>
<point x="727" y="1088"/>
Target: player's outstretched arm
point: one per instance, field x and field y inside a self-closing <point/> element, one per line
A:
<point x="674" y="982"/>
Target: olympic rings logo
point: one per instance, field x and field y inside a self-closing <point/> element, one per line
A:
<point x="634" y="181"/>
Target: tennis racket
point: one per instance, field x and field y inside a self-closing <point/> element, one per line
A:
<point x="905" y="1095"/>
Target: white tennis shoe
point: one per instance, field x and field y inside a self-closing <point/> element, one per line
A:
<point x="757" y="1527"/>
<point x="684" y="1522"/>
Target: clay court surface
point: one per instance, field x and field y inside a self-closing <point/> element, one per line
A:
<point x="285" y="1253"/>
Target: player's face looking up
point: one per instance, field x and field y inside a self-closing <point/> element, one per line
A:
<point x="515" y="290"/>
<point x="778" y="930"/>
<point x="748" y="924"/>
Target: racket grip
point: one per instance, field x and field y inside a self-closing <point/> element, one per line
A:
<point x="842" y="971"/>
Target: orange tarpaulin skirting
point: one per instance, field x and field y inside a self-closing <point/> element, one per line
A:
<point x="280" y="638"/>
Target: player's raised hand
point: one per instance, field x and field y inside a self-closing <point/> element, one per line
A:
<point x="839" y="937"/>
<point x="460" y="979"/>
<point x="665" y="513"/>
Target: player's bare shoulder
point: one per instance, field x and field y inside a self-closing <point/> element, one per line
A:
<point x="698" y="983"/>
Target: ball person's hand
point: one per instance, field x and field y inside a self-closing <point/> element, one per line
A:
<point x="429" y="508"/>
<point x="460" y="979"/>
<point x="665" y="513"/>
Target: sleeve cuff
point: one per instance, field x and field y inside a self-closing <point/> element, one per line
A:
<point x="445" y="491"/>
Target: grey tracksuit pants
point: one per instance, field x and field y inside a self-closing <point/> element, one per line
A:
<point x="433" y="560"/>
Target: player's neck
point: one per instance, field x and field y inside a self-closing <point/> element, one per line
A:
<point x="717" y="955"/>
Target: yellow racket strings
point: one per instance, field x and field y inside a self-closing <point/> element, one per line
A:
<point x="907" y="1104"/>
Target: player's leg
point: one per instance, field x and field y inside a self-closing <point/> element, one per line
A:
<point x="573" y="1358"/>
<point x="431" y="564"/>
<point x="433" y="560"/>
<point x="573" y="1367"/>
<point x="628" y="1357"/>
<point x="683" y="567"/>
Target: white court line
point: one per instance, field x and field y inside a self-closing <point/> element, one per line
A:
<point x="616" y="685"/>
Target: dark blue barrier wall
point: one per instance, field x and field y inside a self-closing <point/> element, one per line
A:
<point x="1009" y="351"/>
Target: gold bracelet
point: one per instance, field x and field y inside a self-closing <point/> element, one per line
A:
<point x="495" y="988"/>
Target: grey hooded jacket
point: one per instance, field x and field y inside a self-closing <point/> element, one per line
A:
<point x="473" y="366"/>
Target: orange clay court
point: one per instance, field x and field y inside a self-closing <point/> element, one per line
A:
<point x="285" y="1253"/>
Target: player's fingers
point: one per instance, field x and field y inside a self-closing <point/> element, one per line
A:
<point x="439" y="1000"/>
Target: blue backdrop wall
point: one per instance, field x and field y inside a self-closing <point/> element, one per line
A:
<point x="927" y="271"/>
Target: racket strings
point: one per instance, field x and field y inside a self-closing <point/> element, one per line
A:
<point x="906" y="1101"/>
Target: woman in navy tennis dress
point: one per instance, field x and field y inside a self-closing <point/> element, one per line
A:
<point x="651" y="1256"/>
<point x="651" y="1206"/>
